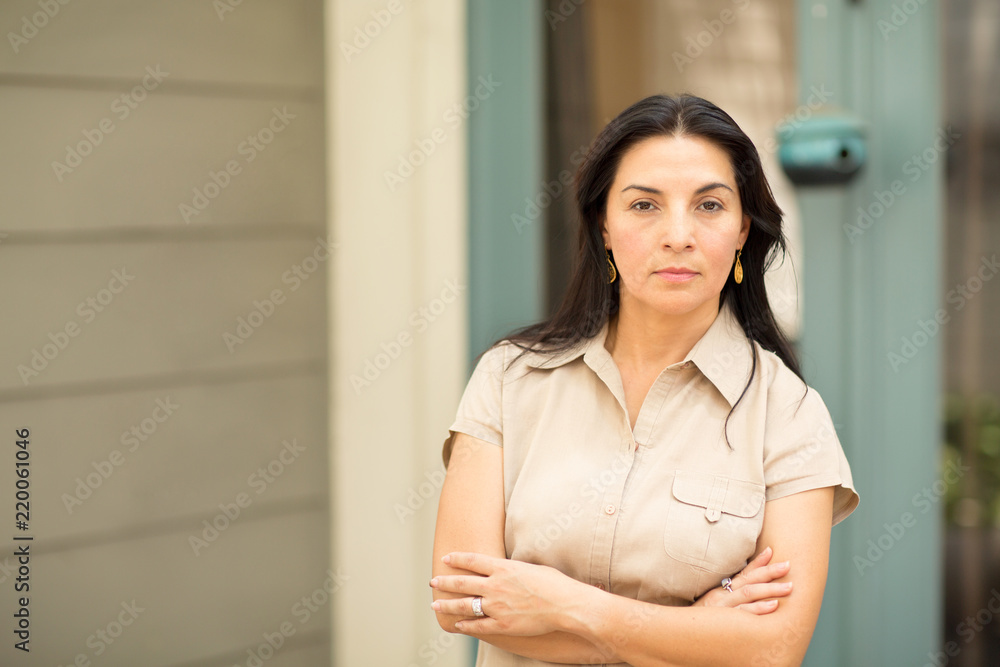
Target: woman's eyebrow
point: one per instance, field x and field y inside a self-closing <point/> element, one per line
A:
<point x="654" y="191"/>
<point x="643" y="188"/>
<point x="712" y="186"/>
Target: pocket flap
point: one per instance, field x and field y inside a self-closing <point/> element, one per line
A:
<point x="718" y="494"/>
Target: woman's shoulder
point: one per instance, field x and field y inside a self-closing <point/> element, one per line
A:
<point x="782" y="384"/>
<point x="502" y="361"/>
<point x="492" y="362"/>
<point x="511" y="358"/>
<point x="795" y="411"/>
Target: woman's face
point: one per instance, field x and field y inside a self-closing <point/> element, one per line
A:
<point x="673" y="223"/>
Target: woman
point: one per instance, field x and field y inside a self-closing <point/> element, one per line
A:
<point x="631" y="480"/>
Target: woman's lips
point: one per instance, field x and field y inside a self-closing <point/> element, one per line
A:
<point x="673" y="276"/>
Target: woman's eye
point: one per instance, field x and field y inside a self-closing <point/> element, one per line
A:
<point x="643" y="206"/>
<point x="712" y="206"/>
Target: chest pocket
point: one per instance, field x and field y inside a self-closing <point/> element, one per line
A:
<point x="713" y="522"/>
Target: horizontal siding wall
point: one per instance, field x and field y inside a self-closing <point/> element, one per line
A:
<point x="163" y="263"/>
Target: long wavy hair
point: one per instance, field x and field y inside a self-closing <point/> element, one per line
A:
<point x="590" y="300"/>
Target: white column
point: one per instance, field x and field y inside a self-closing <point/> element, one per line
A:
<point x="397" y="330"/>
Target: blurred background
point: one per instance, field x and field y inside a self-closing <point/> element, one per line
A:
<point x="249" y="250"/>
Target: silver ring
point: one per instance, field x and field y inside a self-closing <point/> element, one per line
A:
<point x="727" y="583"/>
<point x="477" y="606"/>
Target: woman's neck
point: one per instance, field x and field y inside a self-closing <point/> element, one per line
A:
<point x="645" y="339"/>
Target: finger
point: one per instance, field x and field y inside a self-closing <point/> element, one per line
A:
<point x="454" y="606"/>
<point x="755" y="565"/>
<point x="473" y="562"/>
<point x="459" y="583"/>
<point x="762" y="574"/>
<point x="747" y="594"/>
<point x="761" y="607"/>
<point x="760" y="559"/>
<point x="479" y="627"/>
<point x="756" y="592"/>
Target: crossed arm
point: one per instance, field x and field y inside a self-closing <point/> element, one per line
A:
<point x="538" y="612"/>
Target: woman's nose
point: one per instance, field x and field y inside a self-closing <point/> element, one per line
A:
<point x="676" y="230"/>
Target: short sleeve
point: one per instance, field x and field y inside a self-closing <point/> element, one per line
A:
<point x="479" y="411"/>
<point x="802" y="452"/>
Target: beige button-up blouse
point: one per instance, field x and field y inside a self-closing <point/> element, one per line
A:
<point x="664" y="511"/>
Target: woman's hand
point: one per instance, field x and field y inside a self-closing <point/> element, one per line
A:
<point x="518" y="598"/>
<point x="754" y="589"/>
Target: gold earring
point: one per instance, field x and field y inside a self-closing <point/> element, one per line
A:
<point x="612" y="272"/>
<point x="738" y="273"/>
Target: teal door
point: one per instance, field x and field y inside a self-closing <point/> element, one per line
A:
<point x="872" y="322"/>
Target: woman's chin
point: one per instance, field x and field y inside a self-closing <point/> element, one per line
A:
<point x="673" y="306"/>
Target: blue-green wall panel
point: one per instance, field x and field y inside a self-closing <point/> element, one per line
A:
<point x="505" y="168"/>
<point x="863" y="294"/>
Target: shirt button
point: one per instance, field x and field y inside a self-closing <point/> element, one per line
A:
<point x="600" y="586"/>
<point x="609" y="509"/>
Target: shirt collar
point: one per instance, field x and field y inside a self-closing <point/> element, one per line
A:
<point x="723" y="354"/>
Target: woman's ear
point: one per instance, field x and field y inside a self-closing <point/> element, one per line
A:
<point x="604" y="233"/>
<point x="745" y="229"/>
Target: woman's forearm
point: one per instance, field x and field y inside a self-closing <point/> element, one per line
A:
<point x="649" y="635"/>
<point x="618" y="629"/>
<point x="558" y="647"/>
